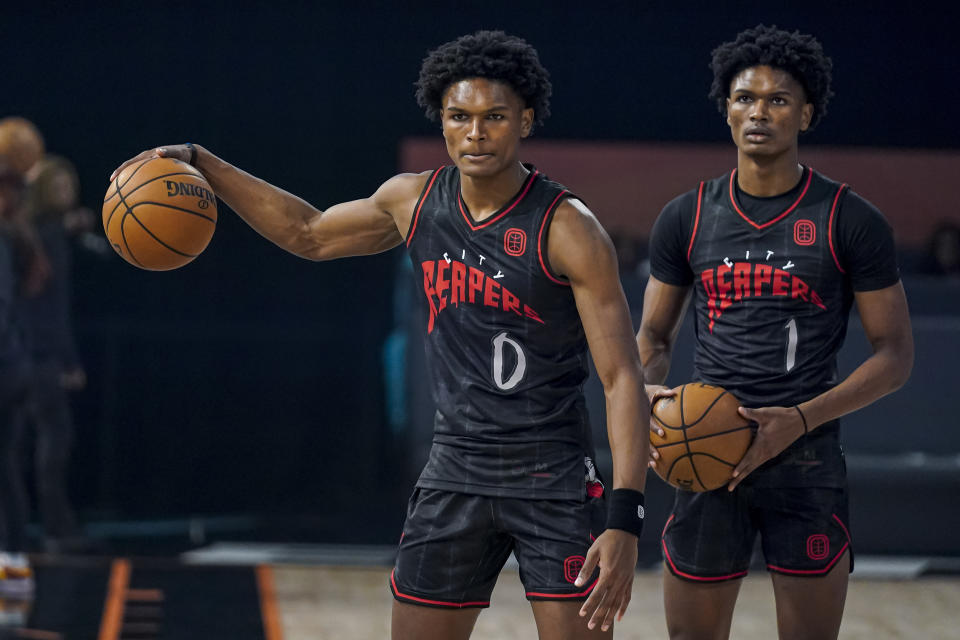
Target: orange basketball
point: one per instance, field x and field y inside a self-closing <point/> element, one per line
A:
<point x="159" y="214"/>
<point x="705" y="438"/>
<point x="21" y="143"/>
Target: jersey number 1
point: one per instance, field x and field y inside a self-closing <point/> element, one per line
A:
<point x="500" y="342"/>
<point x="791" y="328"/>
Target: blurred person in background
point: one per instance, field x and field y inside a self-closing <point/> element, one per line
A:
<point x="17" y="248"/>
<point x="943" y="251"/>
<point x="51" y="208"/>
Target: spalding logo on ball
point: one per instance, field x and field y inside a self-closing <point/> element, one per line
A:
<point x="159" y="214"/>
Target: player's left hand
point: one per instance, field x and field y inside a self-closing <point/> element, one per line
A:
<point x="777" y="429"/>
<point x="615" y="551"/>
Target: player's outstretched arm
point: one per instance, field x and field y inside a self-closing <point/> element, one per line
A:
<point x="360" y="227"/>
<point x="886" y="321"/>
<point x="580" y="250"/>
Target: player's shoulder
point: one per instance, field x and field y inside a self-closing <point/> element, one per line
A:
<point x="851" y="205"/>
<point x="574" y="216"/>
<point x="683" y="205"/>
<point x="404" y="188"/>
<point x="408" y="182"/>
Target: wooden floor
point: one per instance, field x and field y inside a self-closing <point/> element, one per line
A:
<point x="325" y="603"/>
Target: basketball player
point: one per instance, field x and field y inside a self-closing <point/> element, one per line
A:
<point x="774" y="254"/>
<point x="518" y="277"/>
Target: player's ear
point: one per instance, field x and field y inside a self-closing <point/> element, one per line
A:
<point x="806" y="116"/>
<point x="728" y="111"/>
<point x="526" y="122"/>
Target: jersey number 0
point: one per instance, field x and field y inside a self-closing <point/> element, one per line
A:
<point x="500" y="342"/>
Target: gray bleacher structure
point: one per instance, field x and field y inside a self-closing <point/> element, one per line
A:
<point x="903" y="452"/>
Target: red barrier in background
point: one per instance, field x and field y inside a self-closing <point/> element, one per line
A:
<point x="627" y="184"/>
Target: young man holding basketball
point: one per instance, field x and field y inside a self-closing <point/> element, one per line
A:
<point x="518" y="277"/>
<point x="774" y="254"/>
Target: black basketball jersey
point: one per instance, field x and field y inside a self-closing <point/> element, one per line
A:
<point x="505" y="347"/>
<point x="772" y="299"/>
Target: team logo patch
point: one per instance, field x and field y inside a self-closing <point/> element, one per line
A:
<point x="804" y="233"/>
<point x="572" y="567"/>
<point x="515" y="242"/>
<point x="818" y="546"/>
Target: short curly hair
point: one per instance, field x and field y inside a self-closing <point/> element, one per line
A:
<point x="800" y="55"/>
<point x="485" y="54"/>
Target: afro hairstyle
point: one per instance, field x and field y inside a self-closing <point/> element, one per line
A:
<point x="800" y="55"/>
<point x="485" y="54"/>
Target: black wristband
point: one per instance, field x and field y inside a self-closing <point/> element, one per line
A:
<point x="802" y="417"/>
<point x="625" y="511"/>
<point x="193" y="153"/>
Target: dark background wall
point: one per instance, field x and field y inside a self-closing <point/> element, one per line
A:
<point x="250" y="380"/>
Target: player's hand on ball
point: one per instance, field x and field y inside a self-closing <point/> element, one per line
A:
<point x="654" y="393"/>
<point x="175" y="151"/>
<point x="615" y="552"/>
<point x="777" y="429"/>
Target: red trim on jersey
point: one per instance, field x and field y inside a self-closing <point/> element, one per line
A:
<point x="543" y="226"/>
<point x="780" y="217"/>
<point x="696" y="221"/>
<point x="423" y="198"/>
<point x="690" y="576"/>
<point x="811" y="572"/>
<point x="440" y="603"/>
<point x="490" y="221"/>
<point x="536" y="594"/>
<point x="833" y="252"/>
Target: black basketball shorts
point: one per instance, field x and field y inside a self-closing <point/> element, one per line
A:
<point x="710" y="536"/>
<point x="454" y="546"/>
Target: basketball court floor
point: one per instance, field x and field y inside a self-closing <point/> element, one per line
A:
<point x="226" y="592"/>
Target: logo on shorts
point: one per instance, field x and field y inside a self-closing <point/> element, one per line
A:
<point x="572" y="567"/>
<point x="515" y="242"/>
<point x="818" y="546"/>
<point x="804" y="233"/>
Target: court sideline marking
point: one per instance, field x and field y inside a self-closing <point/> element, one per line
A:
<point x="116" y="600"/>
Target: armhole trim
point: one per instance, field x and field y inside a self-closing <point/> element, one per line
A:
<point x="696" y="222"/>
<point x="541" y="238"/>
<point x="423" y="198"/>
<point x="833" y="212"/>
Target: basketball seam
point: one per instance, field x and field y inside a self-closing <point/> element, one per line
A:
<point x="170" y="206"/>
<point x="123" y="234"/>
<point x="150" y="233"/>
<point x="686" y="441"/>
<point x="683" y="420"/>
<point x="712" y="435"/>
<point x="116" y="182"/>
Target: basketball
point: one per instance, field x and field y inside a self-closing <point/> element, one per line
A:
<point x="159" y="213"/>
<point x="21" y="143"/>
<point x="704" y="437"/>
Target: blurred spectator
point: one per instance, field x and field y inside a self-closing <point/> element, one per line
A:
<point x="52" y="209"/>
<point x="632" y="254"/>
<point x="944" y="250"/>
<point x="16" y="577"/>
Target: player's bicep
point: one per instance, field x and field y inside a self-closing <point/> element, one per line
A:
<point x="365" y="226"/>
<point x="580" y="250"/>
<point x="355" y="228"/>
<point x="886" y="321"/>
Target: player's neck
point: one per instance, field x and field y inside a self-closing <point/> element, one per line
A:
<point x="765" y="176"/>
<point x="485" y="195"/>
